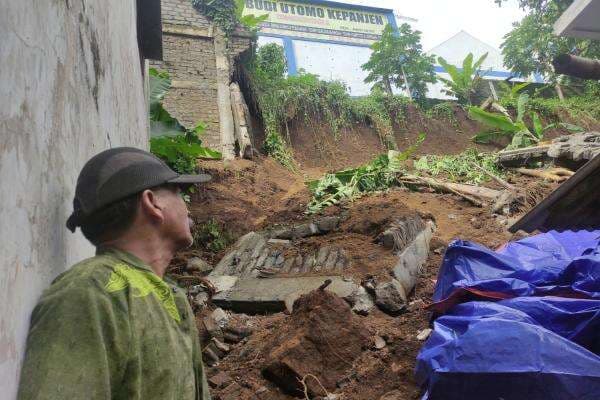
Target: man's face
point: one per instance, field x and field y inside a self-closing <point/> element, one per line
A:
<point x="177" y="223"/>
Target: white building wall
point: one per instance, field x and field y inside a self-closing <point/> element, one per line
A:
<point x="70" y="86"/>
<point x="335" y="62"/>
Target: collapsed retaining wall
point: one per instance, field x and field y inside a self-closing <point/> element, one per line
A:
<point x="200" y="59"/>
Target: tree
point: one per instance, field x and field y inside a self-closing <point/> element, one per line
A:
<point x="398" y="59"/>
<point x="531" y="46"/>
<point x="463" y="83"/>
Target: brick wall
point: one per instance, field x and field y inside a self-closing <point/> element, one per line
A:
<point x="189" y="56"/>
<point x="182" y="12"/>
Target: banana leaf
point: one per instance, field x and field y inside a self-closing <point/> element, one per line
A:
<point x="496" y="121"/>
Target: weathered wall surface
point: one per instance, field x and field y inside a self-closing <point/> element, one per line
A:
<point x="71" y="86"/>
<point x="189" y="56"/>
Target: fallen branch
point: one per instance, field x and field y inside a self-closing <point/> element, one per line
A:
<point x="457" y="189"/>
<point x="552" y="174"/>
<point x="494" y="177"/>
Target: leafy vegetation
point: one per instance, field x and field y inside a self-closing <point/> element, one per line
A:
<point x="464" y="82"/>
<point x="212" y="236"/>
<point x="467" y="167"/>
<point x="398" y="59"/>
<point x="227" y="14"/>
<point x="178" y="146"/>
<point x="380" y="174"/>
<point x="443" y="111"/>
<point x="503" y="125"/>
<point x="532" y="45"/>
<point x="282" y="99"/>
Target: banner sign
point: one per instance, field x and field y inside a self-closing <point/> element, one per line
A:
<point x="318" y="19"/>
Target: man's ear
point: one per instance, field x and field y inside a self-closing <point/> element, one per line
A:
<point x="150" y="206"/>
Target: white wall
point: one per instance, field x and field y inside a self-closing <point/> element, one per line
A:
<point x="70" y="86"/>
<point x="335" y="62"/>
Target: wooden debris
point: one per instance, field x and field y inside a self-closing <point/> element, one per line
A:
<point x="552" y="174"/>
<point x="494" y="177"/>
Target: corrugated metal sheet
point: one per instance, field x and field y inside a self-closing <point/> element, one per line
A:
<point x="575" y="205"/>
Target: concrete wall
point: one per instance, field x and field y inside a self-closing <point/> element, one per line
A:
<point x="70" y="86"/>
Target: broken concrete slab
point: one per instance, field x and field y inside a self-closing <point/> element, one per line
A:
<point x="412" y="258"/>
<point x="567" y="149"/>
<point x="401" y="232"/>
<point x="255" y="295"/>
<point x="255" y="256"/>
<point x="578" y="147"/>
<point x="222" y="283"/>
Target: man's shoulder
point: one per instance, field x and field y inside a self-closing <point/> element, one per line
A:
<point x="90" y="274"/>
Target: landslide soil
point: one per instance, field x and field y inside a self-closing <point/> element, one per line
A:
<point x="252" y="195"/>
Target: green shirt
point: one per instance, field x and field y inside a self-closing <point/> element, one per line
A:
<point x="110" y="328"/>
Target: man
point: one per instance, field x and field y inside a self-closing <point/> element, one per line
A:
<point x="112" y="327"/>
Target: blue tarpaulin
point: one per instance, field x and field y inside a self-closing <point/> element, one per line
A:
<point x="540" y="336"/>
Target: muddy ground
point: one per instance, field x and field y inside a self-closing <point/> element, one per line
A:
<point x="253" y="195"/>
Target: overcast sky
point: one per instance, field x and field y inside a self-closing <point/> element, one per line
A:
<point x="441" y="19"/>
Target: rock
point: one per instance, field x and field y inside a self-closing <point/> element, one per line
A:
<point x="232" y="392"/>
<point x="196" y="264"/>
<point x="220" y="317"/>
<point x="323" y="337"/>
<point x="212" y="328"/>
<point x="221" y="346"/>
<point x="210" y="355"/>
<point x="379" y="342"/>
<point x="360" y="301"/>
<point x="424" y="334"/>
<point x="220" y="380"/>
<point x="451" y="216"/>
<point x="200" y="300"/>
<point x="390" y="297"/>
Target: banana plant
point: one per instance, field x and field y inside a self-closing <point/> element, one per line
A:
<point x="504" y="126"/>
<point x="178" y="146"/>
<point x="463" y="82"/>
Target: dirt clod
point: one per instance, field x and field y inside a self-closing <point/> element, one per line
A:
<point x="323" y="338"/>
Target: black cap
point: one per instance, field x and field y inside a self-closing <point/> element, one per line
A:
<point x="117" y="173"/>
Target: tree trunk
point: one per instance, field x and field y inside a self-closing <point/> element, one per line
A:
<point x="388" y="85"/>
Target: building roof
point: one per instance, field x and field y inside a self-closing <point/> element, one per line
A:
<point x="575" y="205"/>
<point x="580" y="20"/>
<point x="456" y="48"/>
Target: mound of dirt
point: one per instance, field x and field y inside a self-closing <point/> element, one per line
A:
<point x="248" y="195"/>
<point x="317" y="346"/>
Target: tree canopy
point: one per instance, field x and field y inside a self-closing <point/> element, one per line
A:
<point x="532" y="45"/>
<point x="398" y="55"/>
